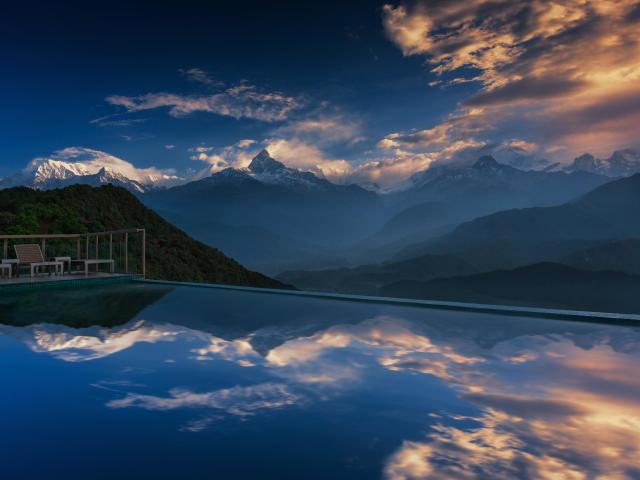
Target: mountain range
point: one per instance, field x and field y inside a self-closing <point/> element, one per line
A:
<point x="270" y="216"/>
<point x="276" y="219"/>
<point x="594" y="233"/>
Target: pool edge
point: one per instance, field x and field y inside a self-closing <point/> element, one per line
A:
<point x="561" y="314"/>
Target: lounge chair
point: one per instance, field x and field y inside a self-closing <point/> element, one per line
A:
<point x="30" y="254"/>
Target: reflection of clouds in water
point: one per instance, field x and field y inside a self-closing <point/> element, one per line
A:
<point x="579" y="418"/>
<point x="239" y="401"/>
<point x="550" y="406"/>
<point x="390" y="341"/>
<point x="64" y="343"/>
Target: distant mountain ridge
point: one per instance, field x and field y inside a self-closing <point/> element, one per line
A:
<point x="595" y="232"/>
<point x="622" y="163"/>
<point x="549" y="285"/>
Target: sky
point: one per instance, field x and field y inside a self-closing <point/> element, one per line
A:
<point x="356" y="91"/>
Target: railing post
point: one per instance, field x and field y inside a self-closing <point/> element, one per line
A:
<point x="5" y="249"/>
<point x="44" y="247"/>
<point x="126" y="252"/>
<point x="144" y="253"/>
<point x="111" y="246"/>
<point x="86" y="252"/>
<point x="78" y="249"/>
<point x="97" y="243"/>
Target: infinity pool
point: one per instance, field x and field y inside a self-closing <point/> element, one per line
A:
<point x="153" y="382"/>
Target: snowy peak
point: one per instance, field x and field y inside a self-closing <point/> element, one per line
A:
<point x="266" y="169"/>
<point x="263" y="163"/>
<point x="46" y="170"/>
<point x="87" y="166"/>
<point x="622" y="163"/>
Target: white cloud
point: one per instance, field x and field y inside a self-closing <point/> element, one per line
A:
<point x="240" y="101"/>
<point x="322" y="129"/>
<point x="237" y="401"/>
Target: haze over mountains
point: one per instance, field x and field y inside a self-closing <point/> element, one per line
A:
<point x="451" y="220"/>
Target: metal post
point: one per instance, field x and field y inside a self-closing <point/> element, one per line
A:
<point x="78" y="249"/>
<point x="144" y="253"/>
<point x="126" y="253"/>
<point x="44" y="248"/>
<point x="86" y="253"/>
<point x="5" y="250"/>
<point x="111" y="246"/>
<point x="97" y="243"/>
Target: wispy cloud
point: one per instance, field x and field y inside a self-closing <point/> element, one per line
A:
<point x="237" y="401"/>
<point x="240" y="101"/>
<point x="116" y="121"/>
<point x="200" y="76"/>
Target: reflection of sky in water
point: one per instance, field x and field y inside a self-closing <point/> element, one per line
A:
<point x="228" y="384"/>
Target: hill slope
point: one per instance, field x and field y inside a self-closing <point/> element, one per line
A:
<point x="542" y="285"/>
<point x="171" y="254"/>
<point x="529" y="235"/>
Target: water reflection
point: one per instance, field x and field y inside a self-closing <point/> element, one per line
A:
<point x="499" y="398"/>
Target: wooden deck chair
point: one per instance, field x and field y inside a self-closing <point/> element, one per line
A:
<point x="30" y="254"/>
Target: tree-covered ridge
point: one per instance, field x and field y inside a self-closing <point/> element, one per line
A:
<point x="171" y="254"/>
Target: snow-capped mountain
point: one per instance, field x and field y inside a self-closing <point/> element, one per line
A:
<point x="87" y="166"/>
<point x="266" y="169"/>
<point x="622" y="163"/>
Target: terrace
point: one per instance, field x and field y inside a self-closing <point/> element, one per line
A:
<point x="114" y="254"/>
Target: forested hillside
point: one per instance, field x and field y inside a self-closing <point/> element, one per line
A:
<point x="171" y="253"/>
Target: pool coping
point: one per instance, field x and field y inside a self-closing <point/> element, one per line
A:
<point x="556" y="313"/>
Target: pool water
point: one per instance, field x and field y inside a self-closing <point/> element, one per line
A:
<point x="146" y="381"/>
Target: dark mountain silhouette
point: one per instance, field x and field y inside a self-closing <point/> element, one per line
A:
<point x="543" y="285"/>
<point x="591" y="233"/>
<point x="368" y="279"/>
<point x="447" y="195"/>
<point x="520" y="236"/>
<point x="619" y="255"/>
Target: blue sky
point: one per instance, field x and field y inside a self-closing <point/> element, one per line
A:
<point x="338" y="84"/>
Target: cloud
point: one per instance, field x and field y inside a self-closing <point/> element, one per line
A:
<point x="170" y="146"/>
<point x="81" y="345"/>
<point x="200" y="76"/>
<point x="323" y="130"/>
<point x="543" y="68"/>
<point x="111" y="121"/>
<point x="550" y="429"/>
<point x="239" y="101"/>
<point x="237" y="401"/>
